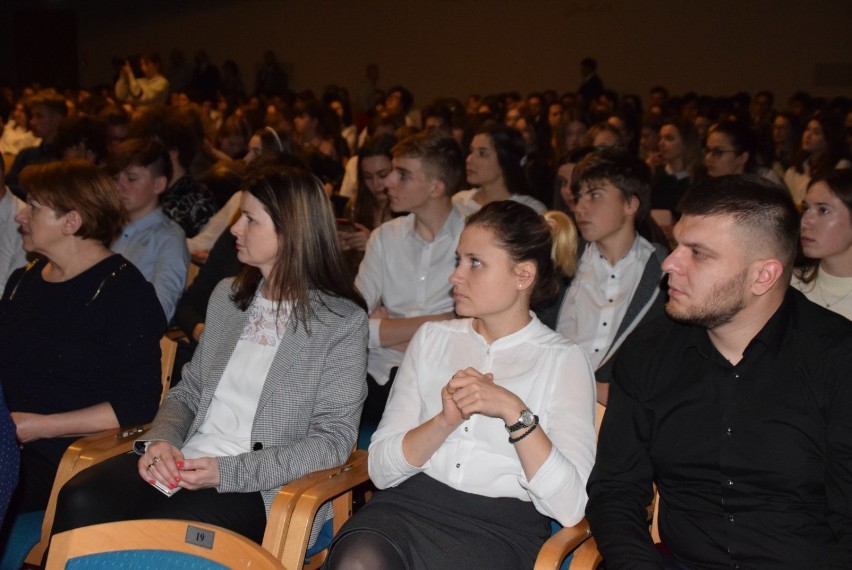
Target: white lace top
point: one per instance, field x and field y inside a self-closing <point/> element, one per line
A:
<point x="226" y="430"/>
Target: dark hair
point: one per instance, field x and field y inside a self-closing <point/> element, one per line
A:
<point x="760" y="207"/>
<point x="406" y="98"/>
<point x="440" y="154"/>
<point x="49" y="99"/>
<point x="691" y="143"/>
<point x="80" y="186"/>
<point x="177" y="129"/>
<point x="525" y="236"/>
<point x="81" y="129"/>
<point x="273" y="141"/>
<point x="835" y="144"/>
<point x="840" y="184"/>
<point x="621" y="169"/>
<point x="309" y="256"/>
<point x="114" y="115"/>
<point x="739" y="137"/>
<point x="148" y="153"/>
<point x="511" y="150"/>
<point x="365" y="205"/>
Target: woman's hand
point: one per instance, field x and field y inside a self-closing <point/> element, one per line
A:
<point x="200" y="473"/>
<point x="476" y="393"/>
<point x="162" y="462"/>
<point x="451" y="415"/>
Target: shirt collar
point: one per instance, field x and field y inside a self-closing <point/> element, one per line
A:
<point x="149" y="221"/>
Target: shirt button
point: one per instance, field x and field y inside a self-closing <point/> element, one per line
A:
<point x="612" y="276"/>
<point x="610" y="300"/>
<point x="466" y="428"/>
<point x="604" y="324"/>
<point x="597" y="350"/>
<point x="730" y="518"/>
<point x="728" y="432"/>
<point x="458" y="465"/>
<point x="729" y="483"/>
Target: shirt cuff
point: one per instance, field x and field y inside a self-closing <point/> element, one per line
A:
<point x="375" y="338"/>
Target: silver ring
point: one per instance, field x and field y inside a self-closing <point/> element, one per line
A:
<point x="155" y="460"/>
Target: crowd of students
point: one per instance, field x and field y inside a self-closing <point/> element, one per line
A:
<point x="439" y="216"/>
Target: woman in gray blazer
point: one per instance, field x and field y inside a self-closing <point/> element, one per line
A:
<point x="274" y="390"/>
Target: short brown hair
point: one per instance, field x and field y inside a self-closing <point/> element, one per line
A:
<point x="50" y="99"/>
<point x="440" y="154"/>
<point x="79" y="186"/>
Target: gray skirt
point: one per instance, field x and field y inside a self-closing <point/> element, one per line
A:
<point x="435" y="526"/>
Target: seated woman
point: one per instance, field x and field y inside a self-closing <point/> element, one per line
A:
<point x="826" y="276"/>
<point x="495" y="167"/>
<point x="823" y="149"/>
<point x="489" y="429"/>
<point x="79" y="326"/>
<point x="370" y="208"/>
<point x="730" y="149"/>
<point x="274" y="390"/>
<point x="680" y="154"/>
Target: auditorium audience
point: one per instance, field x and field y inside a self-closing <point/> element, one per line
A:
<point x="150" y="89"/>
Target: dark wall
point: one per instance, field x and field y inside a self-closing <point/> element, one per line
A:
<point x="456" y="47"/>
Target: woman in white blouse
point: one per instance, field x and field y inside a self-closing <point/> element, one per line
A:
<point x="489" y="429"/>
<point x="826" y="239"/>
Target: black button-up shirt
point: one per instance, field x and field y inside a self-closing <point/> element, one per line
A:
<point x="753" y="461"/>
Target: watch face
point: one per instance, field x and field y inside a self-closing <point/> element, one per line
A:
<point x="527" y="418"/>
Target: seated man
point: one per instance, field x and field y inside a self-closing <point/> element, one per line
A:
<point x="408" y="261"/>
<point x="150" y="241"/>
<point x="617" y="284"/>
<point x="736" y="404"/>
<point x="47" y="109"/>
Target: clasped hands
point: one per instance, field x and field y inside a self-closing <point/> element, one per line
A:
<point x="471" y="392"/>
<point x="165" y="463"/>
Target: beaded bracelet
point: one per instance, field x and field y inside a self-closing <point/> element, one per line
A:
<point x="526" y="433"/>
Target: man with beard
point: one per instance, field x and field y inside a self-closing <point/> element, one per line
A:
<point x="736" y="404"/>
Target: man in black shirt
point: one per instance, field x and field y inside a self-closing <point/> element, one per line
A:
<point x="738" y="404"/>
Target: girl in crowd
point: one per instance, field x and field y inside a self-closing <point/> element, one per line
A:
<point x="680" y="154"/>
<point x="605" y="135"/>
<point x="79" y="326"/>
<point x="369" y="209"/>
<point x="826" y="278"/>
<point x="274" y="390"/>
<point x="489" y="430"/>
<point x="573" y="131"/>
<point x="266" y="140"/>
<point x="495" y="167"/>
<point x="823" y="149"/>
<point x="730" y="150"/>
<point x="150" y="89"/>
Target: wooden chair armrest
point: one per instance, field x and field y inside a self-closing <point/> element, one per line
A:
<point x="587" y="556"/>
<point x="83" y="453"/>
<point x="559" y="545"/>
<point x="292" y="515"/>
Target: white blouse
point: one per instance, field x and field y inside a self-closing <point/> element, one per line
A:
<point x="226" y="430"/>
<point x="834" y="293"/>
<point x="553" y="378"/>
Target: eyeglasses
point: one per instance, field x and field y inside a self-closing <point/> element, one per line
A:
<point x="717" y="152"/>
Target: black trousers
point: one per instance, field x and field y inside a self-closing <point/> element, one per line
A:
<point x="113" y="491"/>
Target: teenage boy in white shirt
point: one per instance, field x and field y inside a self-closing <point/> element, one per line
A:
<point x="408" y="261"/>
<point x="617" y="284"/>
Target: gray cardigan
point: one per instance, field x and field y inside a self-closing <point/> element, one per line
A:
<point x="309" y="408"/>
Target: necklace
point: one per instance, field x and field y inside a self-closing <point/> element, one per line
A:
<point x="825" y="299"/>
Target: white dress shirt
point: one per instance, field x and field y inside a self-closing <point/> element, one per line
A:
<point x="598" y="297"/>
<point x="408" y="276"/>
<point x="467" y="205"/>
<point x="553" y="378"/>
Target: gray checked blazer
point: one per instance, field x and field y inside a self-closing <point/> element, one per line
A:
<point x="309" y="408"/>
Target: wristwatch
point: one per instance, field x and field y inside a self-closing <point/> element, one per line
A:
<point x="526" y="420"/>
